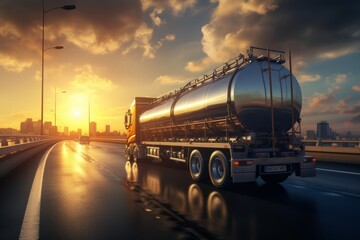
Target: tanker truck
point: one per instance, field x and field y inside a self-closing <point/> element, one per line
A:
<point x="234" y="125"/>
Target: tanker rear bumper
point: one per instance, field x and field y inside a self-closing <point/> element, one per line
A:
<point x="247" y="170"/>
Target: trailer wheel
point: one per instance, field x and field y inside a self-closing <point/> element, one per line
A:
<point x="197" y="166"/>
<point x="219" y="169"/>
<point x="128" y="154"/>
<point x="274" y="178"/>
<point x="136" y="154"/>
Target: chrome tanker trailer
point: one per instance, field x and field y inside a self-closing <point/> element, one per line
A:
<point x="238" y="123"/>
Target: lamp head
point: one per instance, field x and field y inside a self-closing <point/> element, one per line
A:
<point x="69" y="7"/>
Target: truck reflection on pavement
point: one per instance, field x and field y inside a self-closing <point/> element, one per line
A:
<point x="185" y="200"/>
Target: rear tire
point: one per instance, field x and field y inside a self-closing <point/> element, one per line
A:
<point x="219" y="170"/>
<point x="136" y="154"/>
<point x="274" y="178"/>
<point x="197" y="166"/>
<point x="128" y="154"/>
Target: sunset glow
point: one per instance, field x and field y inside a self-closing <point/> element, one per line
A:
<point x="117" y="50"/>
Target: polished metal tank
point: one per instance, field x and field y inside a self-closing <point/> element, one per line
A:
<point x="242" y="95"/>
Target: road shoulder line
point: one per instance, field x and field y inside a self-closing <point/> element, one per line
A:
<point x="337" y="171"/>
<point x="31" y="222"/>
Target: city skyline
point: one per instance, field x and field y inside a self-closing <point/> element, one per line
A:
<point x="147" y="48"/>
<point x="28" y="126"/>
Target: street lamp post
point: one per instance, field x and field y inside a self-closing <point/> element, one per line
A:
<point x="65" y="7"/>
<point x="56" y="93"/>
<point x="89" y="116"/>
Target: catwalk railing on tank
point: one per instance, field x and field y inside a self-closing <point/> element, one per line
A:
<point x="14" y="143"/>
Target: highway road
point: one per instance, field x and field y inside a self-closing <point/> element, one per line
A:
<point x="73" y="191"/>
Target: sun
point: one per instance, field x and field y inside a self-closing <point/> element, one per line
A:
<point x="77" y="113"/>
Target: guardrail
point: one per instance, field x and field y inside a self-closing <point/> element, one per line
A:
<point x="9" y="140"/>
<point x="332" y="143"/>
<point x="333" y="146"/>
<point x="14" y="143"/>
<point x="324" y="149"/>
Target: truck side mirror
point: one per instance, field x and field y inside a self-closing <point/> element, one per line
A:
<point x="127" y="119"/>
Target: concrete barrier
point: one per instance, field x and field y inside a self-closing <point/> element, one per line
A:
<point x="19" y="147"/>
<point x="9" y="162"/>
<point x="325" y="149"/>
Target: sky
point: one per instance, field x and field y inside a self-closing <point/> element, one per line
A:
<point x="117" y="50"/>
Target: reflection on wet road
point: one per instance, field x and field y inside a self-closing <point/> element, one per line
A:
<point x="248" y="211"/>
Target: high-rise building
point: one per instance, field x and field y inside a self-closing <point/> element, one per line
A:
<point x="93" y="129"/>
<point x="66" y="131"/>
<point x="323" y="130"/>
<point x="27" y="127"/>
<point x="37" y="127"/>
<point x="310" y="134"/>
<point x="107" y="130"/>
<point x="47" y="128"/>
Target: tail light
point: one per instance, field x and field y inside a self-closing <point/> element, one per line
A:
<point x="309" y="159"/>
<point x="244" y="163"/>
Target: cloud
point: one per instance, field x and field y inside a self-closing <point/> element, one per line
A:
<point x="87" y="79"/>
<point x="96" y="27"/>
<point x="356" y="88"/>
<point x="308" y="77"/>
<point x="311" y="29"/>
<point x="142" y="40"/>
<point x="87" y="40"/>
<point x="176" y="6"/>
<point x="345" y="107"/>
<point x="341" y="78"/>
<point x="355" y="119"/>
<point x="169" y="80"/>
<point x="12" y="64"/>
<point x="154" y="15"/>
<point x="319" y="99"/>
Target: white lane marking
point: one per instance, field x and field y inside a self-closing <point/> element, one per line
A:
<point x="338" y="171"/>
<point x="31" y="222"/>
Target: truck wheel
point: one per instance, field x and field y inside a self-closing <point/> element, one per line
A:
<point x="219" y="169"/>
<point x="197" y="166"/>
<point x="128" y="154"/>
<point x="136" y="154"/>
<point x="274" y="178"/>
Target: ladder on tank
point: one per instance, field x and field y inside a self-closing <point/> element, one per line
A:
<point x="280" y="59"/>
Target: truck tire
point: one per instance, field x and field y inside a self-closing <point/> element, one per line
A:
<point x="197" y="166"/>
<point x="274" y="178"/>
<point x="128" y="154"/>
<point x="219" y="171"/>
<point x="136" y="154"/>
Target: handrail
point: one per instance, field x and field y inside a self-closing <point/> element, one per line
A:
<point x="222" y="70"/>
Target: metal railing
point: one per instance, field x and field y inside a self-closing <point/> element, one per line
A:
<point x="14" y="143"/>
<point x="333" y="146"/>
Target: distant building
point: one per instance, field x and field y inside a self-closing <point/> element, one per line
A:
<point x="311" y="135"/>
<point x="107" y="130"/>
<point x="8" y="131"/>
<point x="37" y="127"/>
<point x="323" y="130"/>
<point x="79" y="131"/>
<point x="74" y="134"/>
<point x="47" y="129"/>
<point x="93" y="129"/>
<point x="27" y="127"/>
<point x="66" y="131"/>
